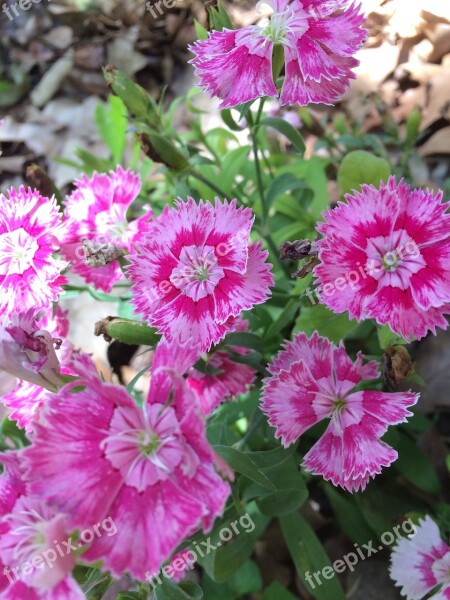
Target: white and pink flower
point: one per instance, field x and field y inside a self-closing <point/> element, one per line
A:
<point x="385" y="255"/>
<point x="30" y="274"/>
<point x="421" y="563"/>
<point x="311" y="380"/>
<point x="196" y="268"/>
<point x="318" y="38"/>
<point x="149" y="468"/>
<point x="96" y="212"/>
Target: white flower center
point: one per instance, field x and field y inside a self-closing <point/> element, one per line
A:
<point x="197" y="272"/>
<point x="17" y="251"/>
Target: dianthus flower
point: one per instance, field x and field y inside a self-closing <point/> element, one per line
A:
<point x="98" y="230"/>
<point x="30" y="275"/>
<point x="95" y="453"/>
<point x="318" y="38"/>
<point x="28" y="352"/>
<point x="27" y="399"/>
<point x="385" y="255"/>
<point x="196" y="268"/>
<point x="421" y="563"/>
<point x="311" y="380"/>
<point x="34" y="562"/>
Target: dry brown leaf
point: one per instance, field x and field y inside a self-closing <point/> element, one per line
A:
<point x="439" y="143"/>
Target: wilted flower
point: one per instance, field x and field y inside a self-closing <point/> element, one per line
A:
<point x="311" y="380"/>
<point x="28" y="352"/>
<point x="318" y="40"/>
<point x="385" y="256"/>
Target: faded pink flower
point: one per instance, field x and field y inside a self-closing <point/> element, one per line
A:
<point x="227" y="378"/>
<point x="196" y="268"/>
<point x="385" y="256"/>
<point x="28" y="352"/>
<point x="27" y="399"/>
<point x="318" y="38"/>
<point x="31" y="566"/>
<point x="96" y="211"/>
<point x="421" y="563"/>
<point x="149" y="468"/>
<point x="30" y="275"/>
<point x="311" y="380"/>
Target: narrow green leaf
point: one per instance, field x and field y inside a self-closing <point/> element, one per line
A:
<point x="277" y="592"/>
<point x="288" y="130"/>
<point x="242" y="463"/>
<point x="309" y="557"/>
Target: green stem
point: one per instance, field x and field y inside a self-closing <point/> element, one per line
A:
<point x="207" y="182"/>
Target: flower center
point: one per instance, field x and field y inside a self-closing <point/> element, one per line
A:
<point x="17" y="251"/>
<point x="286" y="26"/>
<point x="197" y="272"/>
<point x="146" y="445"/>
<point x="392" y="260"/>
<point x="339" y="405"/>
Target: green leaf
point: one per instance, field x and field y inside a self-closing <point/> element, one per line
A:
<point x="168" y="590"/>
<point x="287" y="130"/>
<point x="200" y="31"/>
<point x="229" y="121"/>
<point x="291" y="490"/>
<point x="272" y="458"/>
<point x="309" y="557"/>
<point x="244" y="339"/>
<point x="356" y="527"/>
<point x="287" y="315"/>
<point x="231" y="166"/>
<point x="228" y="558"/>
<point x="168" y="153"/>
<point x="331" y="325"/>
<point x="246" y="580"/>
<point x="111" y="121"/>
<point x="387" y="337"/>
<point x="277" y="592"/>
<point x="242" y="463"/>
<point x="286" y="182"/>
<point x="412" y="462"/>
<point x="360" y="167"/>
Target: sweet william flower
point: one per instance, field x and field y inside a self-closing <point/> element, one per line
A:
<point x="96" y="216"/>
<point x="421" y="563"/>
<point x="311" y="380"/>
<point x="318" y="38"/>
<point x="30" y="275"/>
<point x="30" y="530"/>
<point x="149" y="468"/>
<point x="26" y="400"/>
<point x="28" y="352"/>
<point x="385" y="255"/>
<point x="195" y="269"/>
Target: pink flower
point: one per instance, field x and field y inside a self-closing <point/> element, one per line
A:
<point x="32" y="567"/>
<point x="318" y="39"/>
<point x="96" y="212"/>
<point x="384" y="256"/>
<point x="28" y="352"/>
<point x="311" y="380"/>
<point x="196" y="268"/>
<point x="27" y="399"/>
<point x="30" y="275"/>
<point x="149" y="468"/>
<point x="227" y="379"/>
<point x="422" y="562"/>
